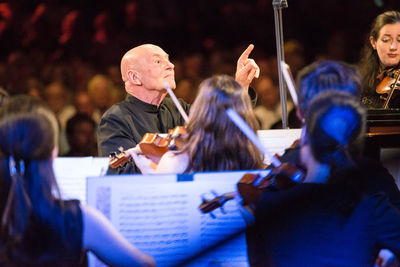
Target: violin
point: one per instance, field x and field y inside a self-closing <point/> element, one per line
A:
<point x="153" y="146"/>
<point x="389" y="82"/>
<point x="251" y="186"/>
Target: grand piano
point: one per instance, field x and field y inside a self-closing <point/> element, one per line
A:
<point x="383" y="131"/>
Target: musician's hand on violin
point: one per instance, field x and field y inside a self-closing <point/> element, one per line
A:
<point x="145" y="165"/>
<point x="246" y="68"/>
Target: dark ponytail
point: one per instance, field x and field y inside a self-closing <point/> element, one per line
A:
<point x="335" y="129"/>
<point x="28" y="136"/>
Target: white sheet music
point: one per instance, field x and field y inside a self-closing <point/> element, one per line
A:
<point x="276" y="141"/>
<point x="231" y="252"/>
<point x="71" y="173"/>
<point x="161" y="217"/>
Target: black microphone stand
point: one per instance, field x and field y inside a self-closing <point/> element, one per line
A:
<point x="278" y="5"/>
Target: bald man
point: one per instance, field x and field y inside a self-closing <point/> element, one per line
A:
<point x="145" y="69"/>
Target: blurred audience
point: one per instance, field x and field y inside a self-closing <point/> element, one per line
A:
<point x="57" y="96"/>
<point x="294" y="56"/>
<point x="63" y="52"/>
<point x="81" y="136"/>
<point x="102" y="92"/>
<point x="269" y="110"/>
<point x="84" y="105"/>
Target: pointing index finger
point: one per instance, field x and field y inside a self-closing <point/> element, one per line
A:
<point x="246" y="53"/>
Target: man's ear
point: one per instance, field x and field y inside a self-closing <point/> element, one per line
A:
<point x="372" y="42"/>
<point x="134" y="77"/>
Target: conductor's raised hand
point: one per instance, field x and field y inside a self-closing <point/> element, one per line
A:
<point x="246" y="68"/>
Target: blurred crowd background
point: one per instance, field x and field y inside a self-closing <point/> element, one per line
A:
<point x="68" y="52"/>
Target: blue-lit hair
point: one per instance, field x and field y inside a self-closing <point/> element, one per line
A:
<point x="335" y="124"/>
<point x="326" y="75"/>
<point x="335" y="129"/>
<point x="28" y="135"/>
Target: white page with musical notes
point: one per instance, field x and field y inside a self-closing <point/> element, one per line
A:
<point x="161" y="217"/>
<point x="71" y="173"/>
<point x="276" y="141"/>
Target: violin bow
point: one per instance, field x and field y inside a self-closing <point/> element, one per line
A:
<point x="242" y="125"/>
<point x="289" y="81"/>
<point x="177" y="104"/>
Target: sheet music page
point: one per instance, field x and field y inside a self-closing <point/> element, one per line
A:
<point x="71" y="173"/>
<point x="231" y="252"/>
<point x="276" y="141"/>
<point x="161" y="217"/>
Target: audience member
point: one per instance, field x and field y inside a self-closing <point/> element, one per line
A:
<point x="81" y="136"/>
<point x="57" y="97"/>
<point x="102" y="93"/>
<point x="84" y="105"/>
<point x="269" y="110"/>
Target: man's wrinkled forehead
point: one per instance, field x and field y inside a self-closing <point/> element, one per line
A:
<point x="154" y="52"/>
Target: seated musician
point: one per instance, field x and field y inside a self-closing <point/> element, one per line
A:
<point x="145" y="69"/>
<point x="214" y="142"/>
<point x="327" y="75"/>
<point x="379" y="64"/>
<point x="38" y="228"/>
<point x="329" y="219"/>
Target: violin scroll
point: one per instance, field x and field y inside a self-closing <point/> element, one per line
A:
<point x="118" y="158"/>
<point x="218" y="202"/>
<point x="251" y="186"/>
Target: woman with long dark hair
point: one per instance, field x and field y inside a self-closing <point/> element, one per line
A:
<point x="380" y="57"/>
<point x="37" y="227"/>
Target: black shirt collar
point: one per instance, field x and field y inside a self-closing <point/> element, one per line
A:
<point x="146" y="107"/>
